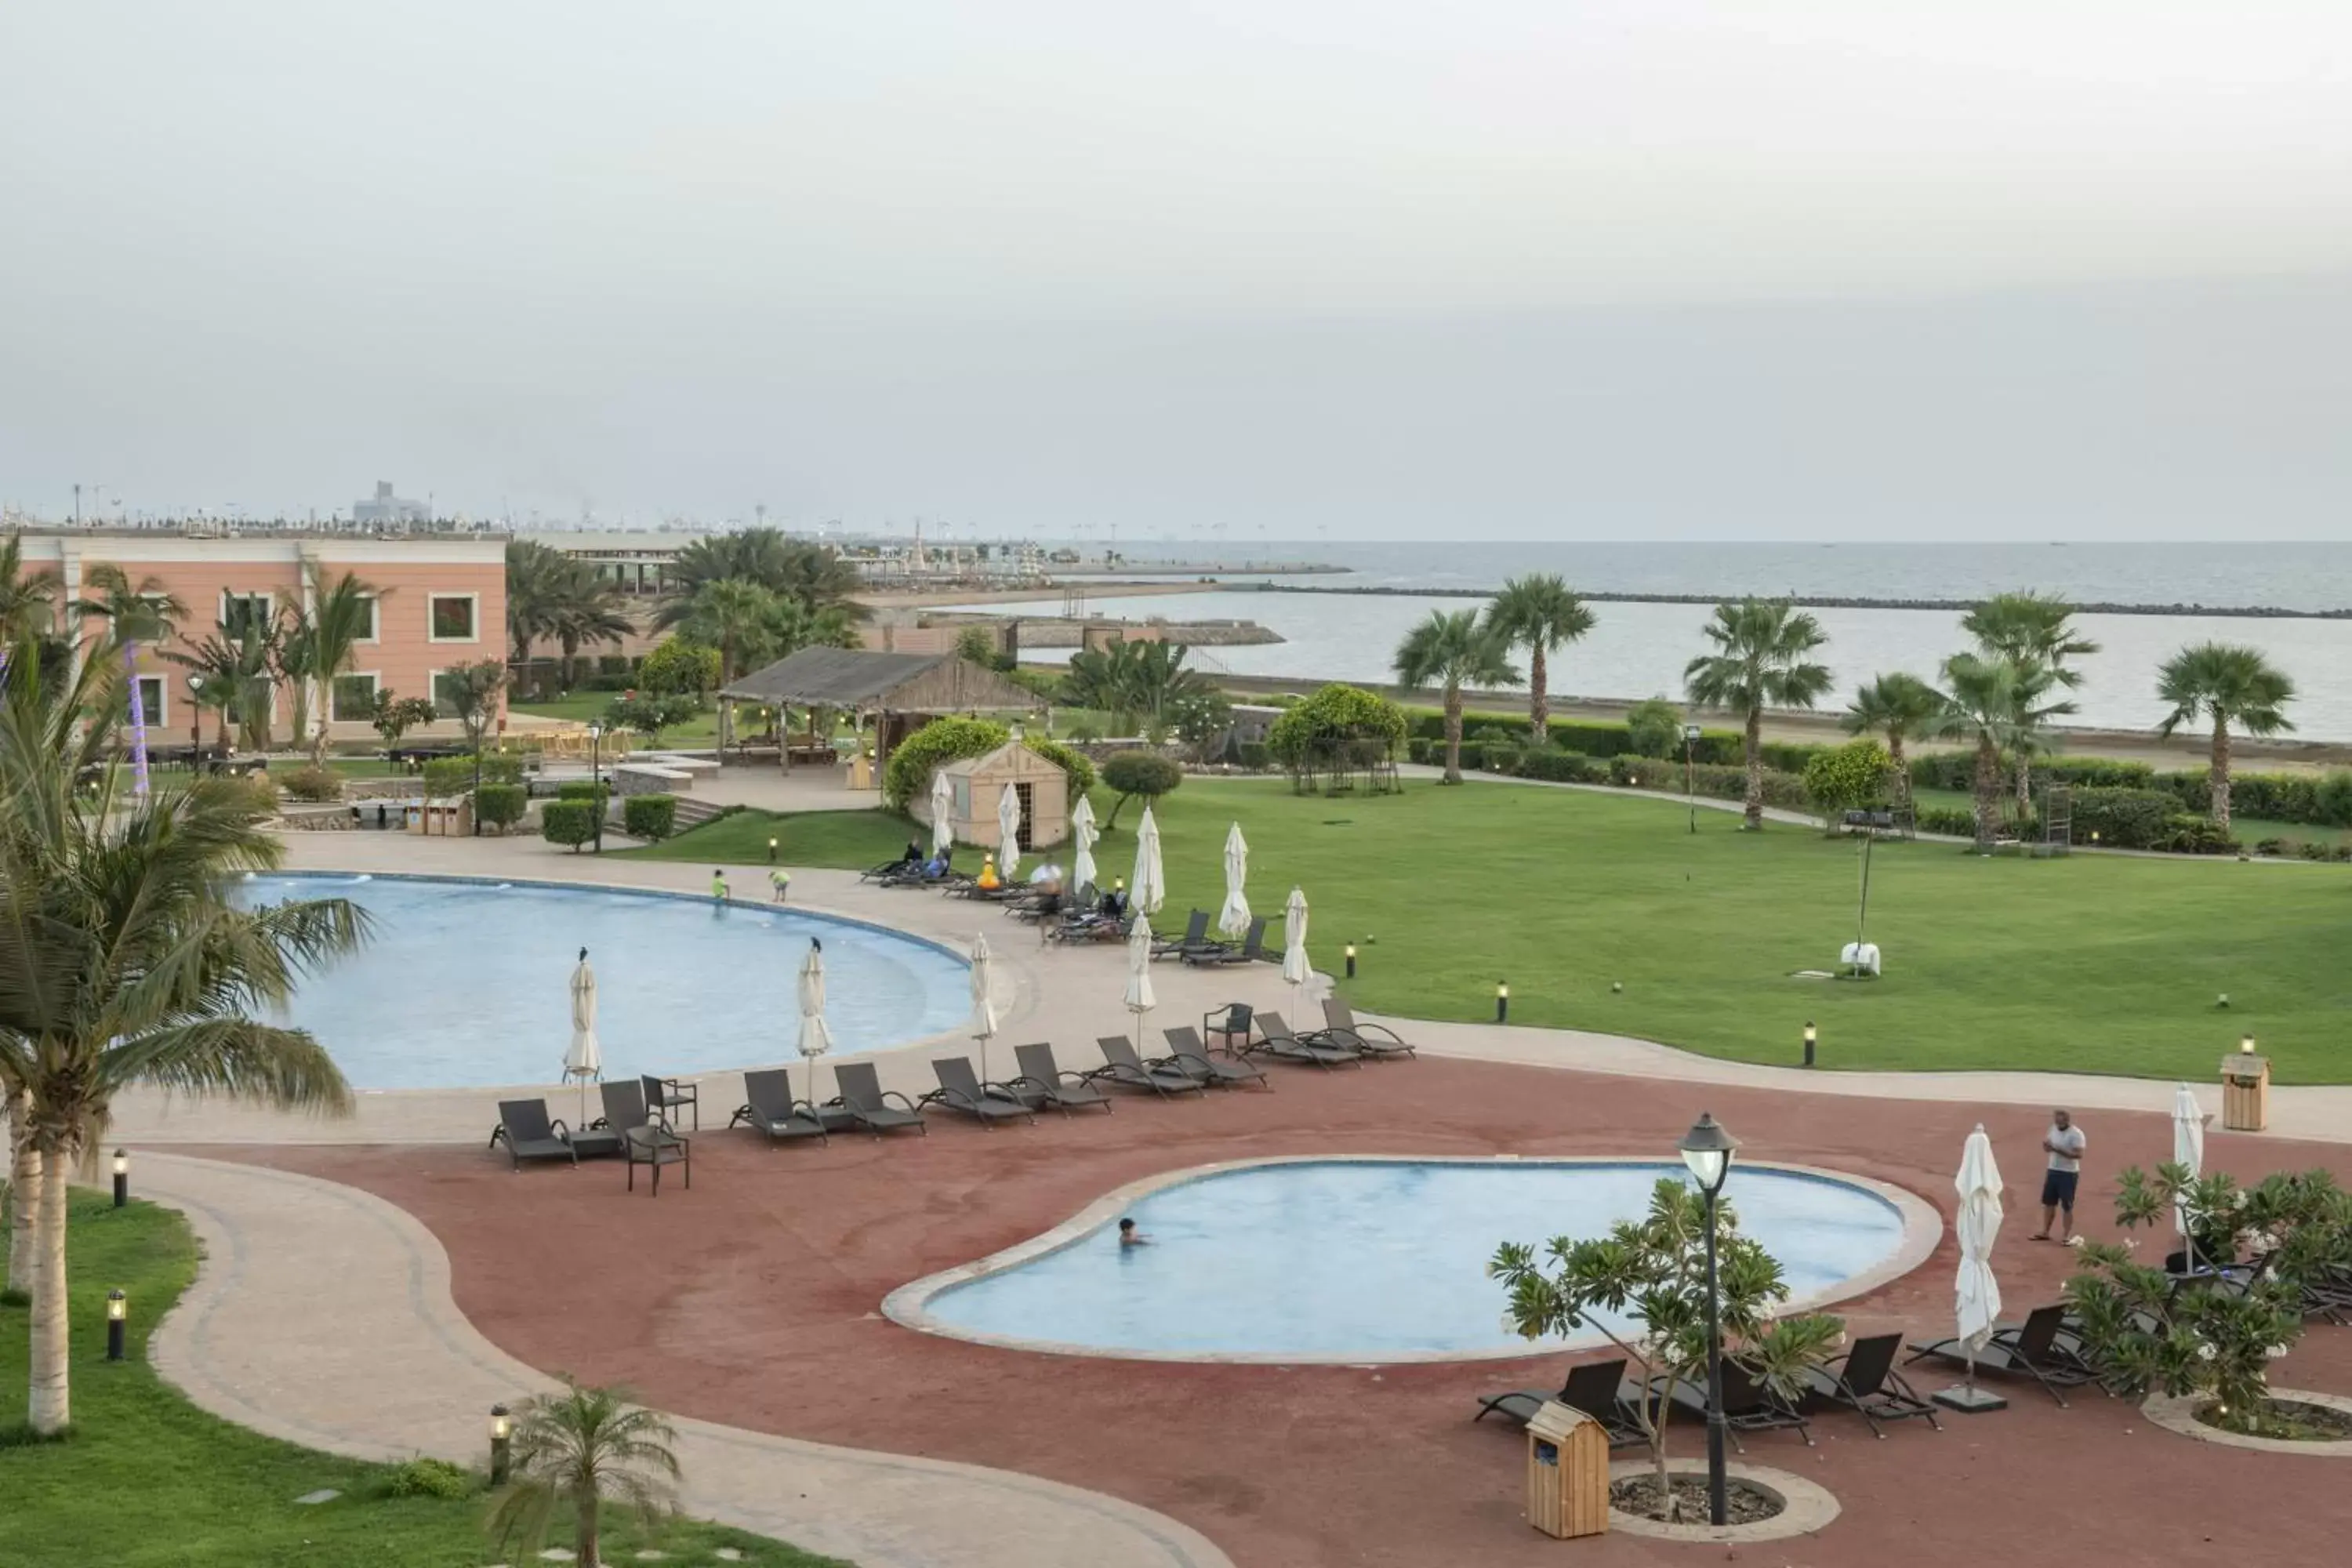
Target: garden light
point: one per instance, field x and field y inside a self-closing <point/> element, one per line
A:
<point x="2246" y="1047"/>
<point x="771" y="851"/>
<point x="502" y="1434"/>
<point x="1502" y="1001"/>
<point x="1706" y="1148"/>
<point x="117" y="1317"/>
<point x="122" y="1178"/>
<point x="1351" y="960"/>
<point x="1810" y="1035"/>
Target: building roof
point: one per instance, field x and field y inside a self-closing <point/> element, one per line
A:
<point x="899" y="682"/>
<point x="1014" y="756"/>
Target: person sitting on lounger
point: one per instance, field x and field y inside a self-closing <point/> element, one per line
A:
<point x="1130" y="1236"/>
<point x="936" y="867"/>
<point x="914" y="855"/>
<point x="1114" y="903"/>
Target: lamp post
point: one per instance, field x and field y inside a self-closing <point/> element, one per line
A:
<point x="121" y="1177"/>
<point x="118" y="1318"/>
<point x="1502" y="1001"/>
<point x="596" y="781"/>
<point x="502" y="1436"/>
<point x="1809" y="1042"/>
<point x="1706" y="1148"/>
<point x="1690" y="795"/>
<point x="195" y="720"/>
<point x="474" y="808"/>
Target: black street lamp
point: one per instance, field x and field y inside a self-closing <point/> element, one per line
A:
<point x="596" y="780"/>
<point x="1706" y="1148"/>
<point x="502" y="1439"/>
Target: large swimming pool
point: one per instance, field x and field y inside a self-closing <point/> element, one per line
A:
<point x="1365" y="1260"/>
<point x="467" y="984"/>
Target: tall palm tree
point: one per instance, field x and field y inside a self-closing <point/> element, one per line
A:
<point x="1759" y="662"/>
<point x="748" y="625"/>
<point x="122" y="961"/>
<point x="2000" y="706"/>
<point x="2227" y="683"/>
<point x="1901" y="708"/>
<point x="587" y="610"/>
<point x="1539" y="611"/>
<point x="294" y="663"/>
<point x="1454" y="650"/>
<point x="586" y="1448"/>
<point x="343" y="615"/>
<point x="535" y="586"/>
<point x="28" y="600"/>
<point x="134" y="613"/>
<point x="2034" y="631"/>
<point x="240" y="670"/>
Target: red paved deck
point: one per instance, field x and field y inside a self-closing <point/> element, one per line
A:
<point x="753" y="1299"/>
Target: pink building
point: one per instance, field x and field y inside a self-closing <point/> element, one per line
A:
<point x="440" y="603"/>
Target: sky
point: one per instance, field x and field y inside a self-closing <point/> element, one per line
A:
<point x="1375" y="269"/>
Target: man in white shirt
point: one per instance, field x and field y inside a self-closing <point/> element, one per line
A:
<point x="2064" y="1144"/>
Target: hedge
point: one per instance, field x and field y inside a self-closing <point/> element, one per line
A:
<point x="571" y="822"/>
<point x="651" y="816"/>
<point x="1957" y="771"/>
<point x="1599" y="738"/>
<point x="600" y="790"/>
<point x="2123" y="818"/>
<point x="1070" y="759"/>
<point x="500" y="805"/>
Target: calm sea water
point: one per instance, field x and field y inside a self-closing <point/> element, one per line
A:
<point x="1640" y="649"/>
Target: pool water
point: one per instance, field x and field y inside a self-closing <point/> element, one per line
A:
<point x="468" y="983"/>
<point x="1362" y="1260"/>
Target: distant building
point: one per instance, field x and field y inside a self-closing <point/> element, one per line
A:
<point x="387" y="507"/>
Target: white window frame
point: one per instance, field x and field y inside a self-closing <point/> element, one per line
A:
<point x="269" y="605"/>
<point x="475" y="600"/>
<point x="374" y="678"/>
<point x="159" y="716"/>
<point x="376" y="628"/>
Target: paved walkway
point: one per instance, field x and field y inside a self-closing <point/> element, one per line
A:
<point x="322" y="1315"/>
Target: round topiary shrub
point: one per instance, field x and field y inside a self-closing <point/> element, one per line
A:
<point x="571" y="822"/>
<point x="599" y="790"/>
<point x="1132" y="773"/>
<point x="653" y="816"/>
<point x="312" y="783"/>
<point x="501" y="806"/>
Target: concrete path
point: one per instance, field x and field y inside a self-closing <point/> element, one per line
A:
<point x="322" y="1315"/>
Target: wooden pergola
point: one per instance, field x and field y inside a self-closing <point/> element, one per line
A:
<point x="900" y="692"/>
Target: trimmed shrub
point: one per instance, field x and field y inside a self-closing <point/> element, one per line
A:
<point x="312" y="783"/>
<point x="501" y="806"/>
<point x="1070" y="759"/>
<point x="613" y="664"/>
<point x="1254" y="755"/>
<point x="571" y="822"/>
<point x="445" y="777"/>
<point x="1957" y="771"/>
<point x="258" y="790"/>
<point x="680" y="669"/>
<point x="1855" y="776"/>
<point x="502" y="767"/>
<point x="431" y="1478"/>
<point x="2184" y="834"/>
<point x="1557" y="766"/>
<point x="653" y="816"/>
<point x="2332" y="799"/>
<point x="598" y="790"/>
<point x="940" y="741"/>
<point x="1654" y="729"/>
<point x="2123" y="818"/>
<point x="1132" y="773"/>
<point x="1951" y="820"/>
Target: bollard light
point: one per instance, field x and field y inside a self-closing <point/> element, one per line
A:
<point x="771" y="851"/>
<point x="122" y="1178"/>
<point x="117" y="1318"/>
<point x="2246" y="1047"/>
<point x="1351" y="960"/>
<point x="1809" y="1042"/>
<point x="1502" y="1001"/>
<point x="502" y="1434"/>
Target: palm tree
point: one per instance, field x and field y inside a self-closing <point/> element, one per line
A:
<point x="1901" y="708"/>
<point x="750" y="624"/>
<point x="588" y="610"/>
<point x="28" y="600"/>
<point x="1132" y="679"/>
<point x="240" y="670"/>
<point x="122" y="961"/>
<point x="2227" y="683"/>
<point x="134" y="613"/>
<point x="1455" y="651"/>
<point x="584" y="1447"/>
<point x="535" y="583"/>
<point x="1759" y="662"/>
<point x="1541" y="613"/>
<point x="812" y="574"/>
<point x="2034" y="632"/>
<point x="2000" y="706"/>
<point x="294" y="662"/>
<point x="342" y="616"/>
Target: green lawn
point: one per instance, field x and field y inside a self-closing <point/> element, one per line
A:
<point x="852" y="840"/>
<point x="586" y="707"/>
<point x="2247" y="830"/>
<point x="148" y="1481"/>
<point x="2095" y="963"/>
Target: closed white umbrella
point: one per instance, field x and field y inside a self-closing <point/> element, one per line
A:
<point x="585" y="1059"/>
<point x="1295" y="967"/>
<point x="1008" y="831"/>
<point x="942" y="813"/>
<point x="983" y="1001"/>
<point x="1139" y="999"/>
<point x="1148" y="888"/>
<point x="817" y="1037"/>
<point x="1976" y="1291"/>
<point x="1234" y="917"/>
<point x="2187" y="1149"/>
<point x="1083" y="829"/>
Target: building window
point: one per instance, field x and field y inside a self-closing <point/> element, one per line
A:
<point x="354" y="698"/>
<point x="239" y="612"/>
<point x="375" y="621"/>
<point x="451" y="618"/>
<point x="151" y="707"/>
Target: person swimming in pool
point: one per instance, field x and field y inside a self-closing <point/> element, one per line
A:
<point x="1130" y="1236"/>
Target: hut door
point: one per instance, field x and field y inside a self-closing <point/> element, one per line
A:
<point x="1027" y="795"/>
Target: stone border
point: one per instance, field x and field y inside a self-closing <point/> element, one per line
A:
<point x="2177" y="1413"/>
<point x="909" y="1305"/>
<point x="1805" y="1506"/>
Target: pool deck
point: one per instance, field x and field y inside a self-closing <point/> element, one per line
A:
<point x="377" y="1303"/>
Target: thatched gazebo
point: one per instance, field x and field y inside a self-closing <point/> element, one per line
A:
<point x="898" y="692"/>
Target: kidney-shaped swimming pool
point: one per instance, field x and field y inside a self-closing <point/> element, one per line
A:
<point x="468" y="983"/>
<point x="1361" y="1260"/>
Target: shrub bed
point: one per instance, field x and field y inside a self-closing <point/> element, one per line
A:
<point x="650" y="817"/>
<point x="571" y="822"/>
<point x="312" y="783"/>
<point x="501" y="806"/>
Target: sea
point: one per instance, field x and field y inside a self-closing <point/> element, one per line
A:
<point x="1638" y="650"/>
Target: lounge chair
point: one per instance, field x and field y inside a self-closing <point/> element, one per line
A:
<point x="890" y="871"/>
<point x="1749" y="1405"/>
<point x="1092" y="925"/>
<point x="2034" y="1348"/>
<point x="961" y="1089"/>
<point x="1374" y="1040"/>
<point x="1196" y="935"/>
<point x="524" y="1128"/>
<point x="867" y="1103"/>
<point x="624" y="1106"/>
<point x="1865" y="1380"/>
<point x="1122" y="1067"/>
<point x="1598" y="1388"/>
<point x="1189" y="1055"/>
<point x="1249" y="950"/>
<point x="1043" y="1084"/>
<point x="769" y="1107"/>
<point x="663" y="1095"/>
<point x="1280" y="1044"/>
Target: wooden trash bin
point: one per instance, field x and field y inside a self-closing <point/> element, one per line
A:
<point x="2245" y="1090"/>
<point x="1568" y="1473"/>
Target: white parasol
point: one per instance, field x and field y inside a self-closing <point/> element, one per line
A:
<point x="983" y="1001"/>
<point x="2187" y="1149"/>
<point x="1008" y="831"/>
<point x="585" y="1059"/>
<point x="942" y="813"/>
<point x="1149" y="889"/>
<point x="1233" y="919"/>
<point x="1295" y="967"/>
<point x="1976" y="1292"/>
<point x="1083" y="829"/>
<point x="1139" y="999"/>
<point x="816" y="1038"/>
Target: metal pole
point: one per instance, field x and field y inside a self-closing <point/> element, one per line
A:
<point x="1862" y="916"/>
<point x="477" y="789"/>
<point x="1690" y="795"/>
<point x="1719" y="1505"/>
<point x="597" y="785"/>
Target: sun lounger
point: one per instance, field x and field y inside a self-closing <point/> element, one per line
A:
<point x="868" y="1105"/>
<point x="1251" y="948"/>
<point x="1196" y="933"/>
<point x="961" y="1090"/>
<point x="2035" y="1348"/>
<point x="1865" y="1380"/>
<point x="1597" y="1388"/>
<point x="891" y="870"/>
<point x="1375" y="1040"/>
<point x="1189" y="1055"/>
<point x="769" y="1108"/>
<point x="624" y="1106"/>
<point x="1748" y="1403"/>
<point x="1279" y="1042"/>
<point x="1043" y="1084"/>
<point x="1122" y="1067"/>
<point x="524" y="1128"/>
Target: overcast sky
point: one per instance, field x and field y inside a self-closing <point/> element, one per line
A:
<point x="1492" y="268"/>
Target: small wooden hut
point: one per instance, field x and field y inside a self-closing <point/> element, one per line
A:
<point x="895" y="693"/>
<point x="978" y="784"/>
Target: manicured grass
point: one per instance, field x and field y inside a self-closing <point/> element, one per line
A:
<point x="851" y="841"/>
<point x="585" y="707"/>
<point x="148" y="1481"/>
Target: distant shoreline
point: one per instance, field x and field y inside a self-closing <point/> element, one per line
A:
<point x="1815" y="601"/>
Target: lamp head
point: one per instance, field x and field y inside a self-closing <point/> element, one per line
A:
<point x="1708" y="1149"/>
<point x="122" y="1162"/>
<point x="501" y="1425"/>
<point x="2246" y="1046"/>
<point x="117" y="1307"/>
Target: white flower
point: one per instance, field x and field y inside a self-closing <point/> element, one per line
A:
<point x="2204" y="1352"/>
<point x="2275" y="1351"/>
<point x="2240" y="1201"/>
<point x="2075" y="1241"/>
<point x="2131" y="1244"/>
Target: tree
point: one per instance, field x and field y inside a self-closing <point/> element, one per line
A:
<point x="1901" y="708"/>
<point x="2034" y="632"/>
<point x="342" y="616"/>
<point x="590" y="611"/>
<point x="649" y="713"/>
<point x="1851" y="777"/>
<point x="1145" y="775"/>
<point x="678" y="667"/>
<point x="813" y="577"/>
<point x="2000" y="706"/>
<point x="1759" y="661"/>
<point x="1653" y="1270"/>
<point x="536" y="583"/>
<point x="1139" y="682"/>
<point x="748" y="625"/>
<point x="978" y="644"/>
<point x="123" y="962"/>
<point x="239" y="668"/>
<point x="134" y="613"/>
<point x="1454" y="650"/>
<point x="583" y="1449"/>
<point x="1539" y="611"/>
<point x="2227" y="683"/>
<point x="394" y="716"/>
<point x="1336" y="731"/>
<point x="28" y="600"/>
<point x="1655" y="728"/>
<point x="473" y="697"/>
